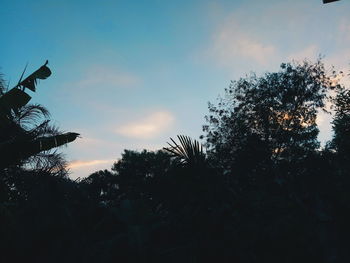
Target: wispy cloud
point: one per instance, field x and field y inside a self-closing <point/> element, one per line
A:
<point x="102" y="76"/>
<point x="99" y="93"/>
<point x="82" y="163"/>
<point x="344" y="30"/>
<point x="90" y="142"/>
<point x="231" y="42"/>
<point x="310" y="52"/>
<point x="147" y="127"/>
<point x="83" y="168"/>
<point x="98" y="84"/>
<point x="259" y="37"/>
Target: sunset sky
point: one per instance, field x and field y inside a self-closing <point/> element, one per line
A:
<point x="131" y="74"/>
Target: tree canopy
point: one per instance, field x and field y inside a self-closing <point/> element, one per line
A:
<point x="275" y="114"/>
<point x="261" y="189"/>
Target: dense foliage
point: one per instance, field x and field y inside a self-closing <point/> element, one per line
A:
<point x="262" y="191"/>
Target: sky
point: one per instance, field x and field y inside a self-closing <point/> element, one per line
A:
<point x="132" y="74"/>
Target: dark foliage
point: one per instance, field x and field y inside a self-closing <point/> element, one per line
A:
<point x="262" y="190"/>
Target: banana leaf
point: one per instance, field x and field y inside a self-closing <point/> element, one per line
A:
<point x="47" y="143"/>
<point x="15" y="150"/>
<point x="30" y="82"/>
<point x="13" y="100"/>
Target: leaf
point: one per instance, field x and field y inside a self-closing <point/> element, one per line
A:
<point x="188" y="151"/>
<point x="21" y="149"/>
<point x="329" y="1"/>
<point x="47" y="143"/>
<point x="30" y="82"/>
<point x="13" y="100"/>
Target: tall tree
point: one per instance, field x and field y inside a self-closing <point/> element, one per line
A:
<point x="269" y="118"/>
<point x="25" y="133"/>
<point x="341" y="124"/>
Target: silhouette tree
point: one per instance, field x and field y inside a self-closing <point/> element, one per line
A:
<point x="28" y="172"/>
<point x="275" y="115"/>
<point x="26" y="135"/>
<point x="341" y="124"/>
<point x="263" y="134"/>
<point x="263" y="191"/>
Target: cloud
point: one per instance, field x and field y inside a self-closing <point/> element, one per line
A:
<point x="106" y="76"/>
<point x="89" y="142"/>
<point x="258" y="37"/>
<point x="100" y="91"/>
<point x="148" y="127"/>
<point x="81" y="163"/>
<point x="344" y="30"/>
<point x="100" y="145"/>
<point x="83" y="168"/>
<point x="310" y="52"/>
<point x="232" y="42"/>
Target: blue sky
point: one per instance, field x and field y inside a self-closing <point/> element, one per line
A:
<point x="131" y="74"/>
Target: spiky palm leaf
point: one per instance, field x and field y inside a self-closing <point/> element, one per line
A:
<point x="44" y="128"/>
<point x="29" y="115"/>
<point x="2" y="84"/>
<point x="53" y="163"/>
<point x="188" y="151"/>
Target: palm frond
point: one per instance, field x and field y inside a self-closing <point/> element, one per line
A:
<point x="51" y="162"/>
<point x="2" y="85"/>
<point x="30" y="114"/>
<point x="44" y="129"/>
<point x="187" y="151"/>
